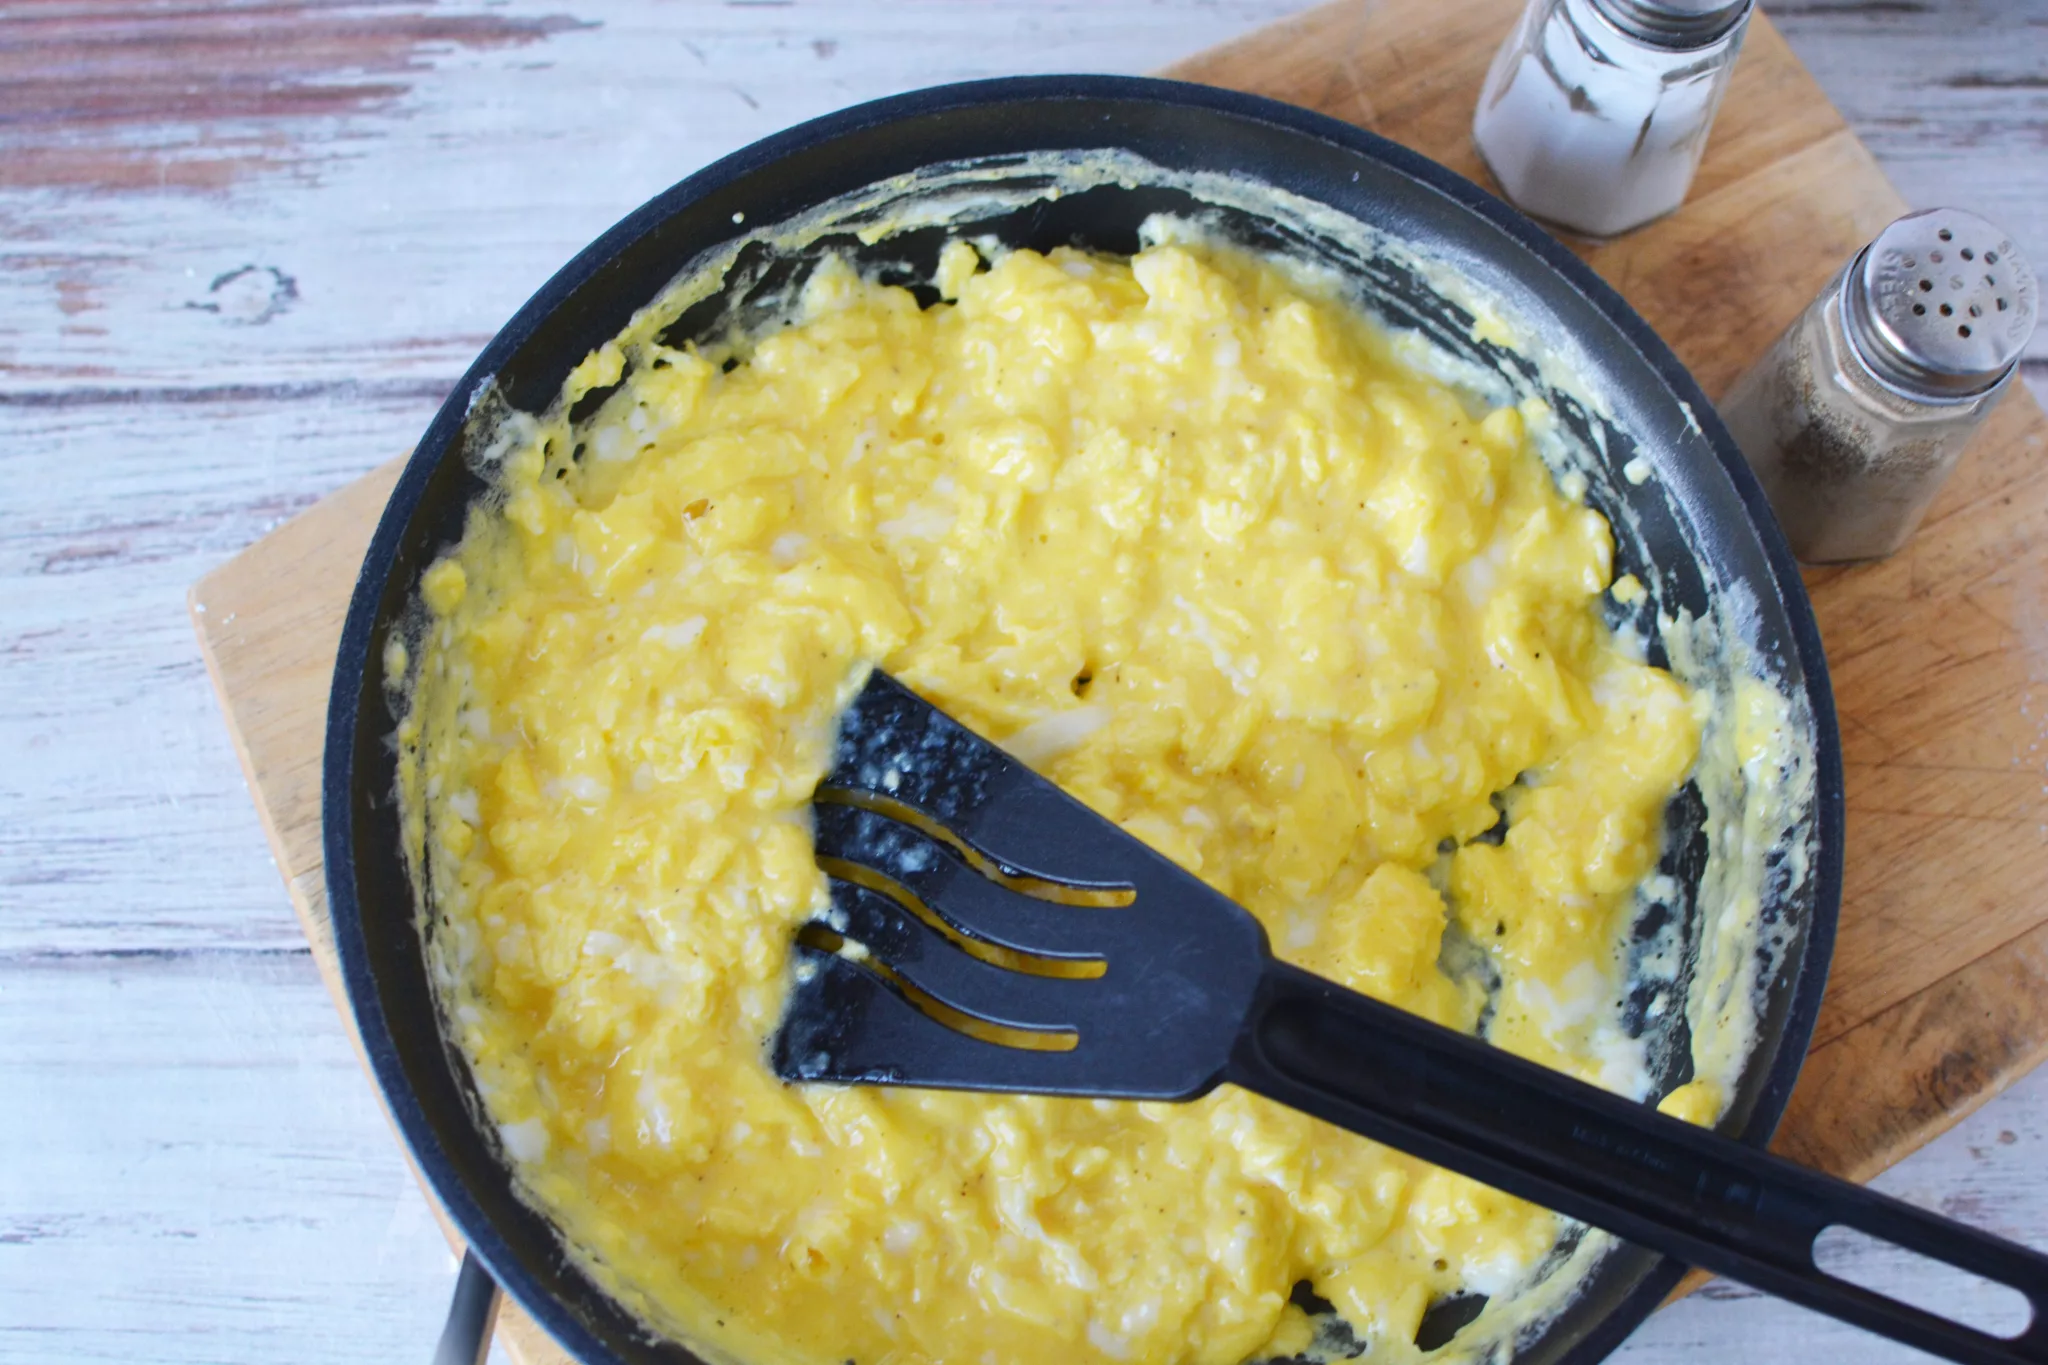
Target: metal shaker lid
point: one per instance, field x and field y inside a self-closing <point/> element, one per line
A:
<point x="1942" y="303"/>
<point x="1677" y="24"/>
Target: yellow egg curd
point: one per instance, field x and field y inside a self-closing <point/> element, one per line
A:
<point x="1188" y="535"/>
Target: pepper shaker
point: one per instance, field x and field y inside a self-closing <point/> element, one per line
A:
<point x="1857" y="414"/>
<point x="1595" y="112"/>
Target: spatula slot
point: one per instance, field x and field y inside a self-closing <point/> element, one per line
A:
<point x="927" y="874"/>
<point x="1933" y="1286"/>
<point x="982" y="950"/>
<point x="1039" y="888"/>
<point x="823" y="939"/>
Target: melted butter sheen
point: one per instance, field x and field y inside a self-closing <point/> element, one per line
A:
<point x="1195" y="543"/>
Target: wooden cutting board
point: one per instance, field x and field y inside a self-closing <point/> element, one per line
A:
<point x="1939" y="996"/>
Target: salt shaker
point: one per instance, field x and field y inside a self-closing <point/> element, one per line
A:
<point x="1595" y="112"/>
<point x="1858" y="412"/>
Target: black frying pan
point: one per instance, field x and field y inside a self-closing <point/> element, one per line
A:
<point x="1702" y="521"/>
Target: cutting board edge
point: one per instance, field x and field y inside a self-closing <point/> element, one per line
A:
<point x="527" y="1341"/>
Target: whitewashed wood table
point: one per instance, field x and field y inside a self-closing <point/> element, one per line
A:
<point x="245" y="249"/>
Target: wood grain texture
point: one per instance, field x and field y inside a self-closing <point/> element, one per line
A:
<point x="281" y="237"/>
<point x="205" y="1227"/>
<point x="280" y="192"/>
<point x="211" y="1180"/>
<point x="123" y="824"/>
<point x="292" y="585"/>
<point x="98" y="96"/>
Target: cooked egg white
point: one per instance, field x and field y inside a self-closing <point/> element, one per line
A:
<point x="1183" y="534"/>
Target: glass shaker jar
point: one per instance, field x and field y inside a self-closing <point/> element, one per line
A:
<point x="1857" y="414"/>
<point x="1595" y="112"/>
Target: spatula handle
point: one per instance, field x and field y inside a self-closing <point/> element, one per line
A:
<point x="1665" y="1184"/>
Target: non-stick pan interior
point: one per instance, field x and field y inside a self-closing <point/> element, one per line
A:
<point x="1700" y="525"/>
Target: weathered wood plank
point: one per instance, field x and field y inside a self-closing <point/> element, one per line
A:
<point x="335" y="199"/>
<point x="123" y="823"/>
<point x="193" y="1167"/>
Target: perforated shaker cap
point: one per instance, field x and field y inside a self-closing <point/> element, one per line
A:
<point x="1678" y="24"/>
<point x="1941" y="304"/>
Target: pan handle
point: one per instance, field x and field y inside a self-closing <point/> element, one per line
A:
<point x="466" y="1339"/>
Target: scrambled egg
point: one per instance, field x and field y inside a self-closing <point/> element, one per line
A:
<point x="1188" y="537"/>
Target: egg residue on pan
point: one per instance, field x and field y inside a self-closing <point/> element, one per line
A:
<point x="1193" y="540"/>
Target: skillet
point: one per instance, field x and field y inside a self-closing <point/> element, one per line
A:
<point x="1698" y="533"/>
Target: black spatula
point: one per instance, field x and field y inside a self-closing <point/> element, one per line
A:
<point x="989" y="932"/>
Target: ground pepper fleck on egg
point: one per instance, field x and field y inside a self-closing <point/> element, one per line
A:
<point x="1187" y="534"/>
